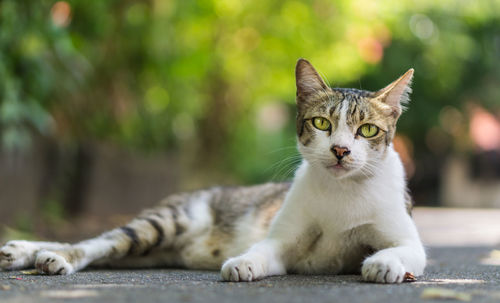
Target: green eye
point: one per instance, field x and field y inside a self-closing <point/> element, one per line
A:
<point x="368" y="130"/>
<point x="321" y="123"/>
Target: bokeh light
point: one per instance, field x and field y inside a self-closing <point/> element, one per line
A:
<point x="484" y="129"/>
<point x="61" y="14"/>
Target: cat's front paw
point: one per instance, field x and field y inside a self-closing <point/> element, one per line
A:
<point x="52" y="263"/>
<point x="242" y="269"/>
<point x="17" y="255"/>
<point x="383" y="269"/>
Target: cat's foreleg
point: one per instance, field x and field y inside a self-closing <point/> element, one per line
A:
<point x="261" y="260"/>
<point x="267" y="257"/>
<point x="390" y="264"/>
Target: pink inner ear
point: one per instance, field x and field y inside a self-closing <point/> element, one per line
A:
<point x="396" y="93"/>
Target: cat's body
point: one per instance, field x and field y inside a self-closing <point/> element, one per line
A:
<point x="193" y="230"/>
<point x="345" y="212"/>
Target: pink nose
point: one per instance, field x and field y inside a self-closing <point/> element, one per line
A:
<point x="340" y="152"/>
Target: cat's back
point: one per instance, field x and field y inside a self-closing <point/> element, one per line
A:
<point x="231" y="200"/>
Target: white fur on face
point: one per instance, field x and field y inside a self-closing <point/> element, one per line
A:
<point x="359" y="162"/>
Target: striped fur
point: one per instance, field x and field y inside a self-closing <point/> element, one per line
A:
<point x="202" y="229"/>
<point x="194" y="230"/>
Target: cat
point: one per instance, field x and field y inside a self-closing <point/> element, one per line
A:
<point x="346" y="211"/>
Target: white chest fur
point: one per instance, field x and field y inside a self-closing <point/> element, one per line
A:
<point x="334" y="220"/>
<point x="327" y="225"/>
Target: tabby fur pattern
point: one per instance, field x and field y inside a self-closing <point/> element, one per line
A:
<point x="347" y="213"/>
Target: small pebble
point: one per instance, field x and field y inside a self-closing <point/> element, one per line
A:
<point x="4" y="287"/>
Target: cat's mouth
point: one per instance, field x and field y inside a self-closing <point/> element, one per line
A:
<point x="337" y="167"/>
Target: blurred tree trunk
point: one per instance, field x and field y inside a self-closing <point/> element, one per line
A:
<point x="65" y="176"/>
<point x="214" y="126"/>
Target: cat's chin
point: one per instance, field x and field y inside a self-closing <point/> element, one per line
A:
<point x="339" y="171"/>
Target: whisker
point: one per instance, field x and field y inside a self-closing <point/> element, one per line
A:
<point x="282" y="149"/>
<point x="284" y="167"/>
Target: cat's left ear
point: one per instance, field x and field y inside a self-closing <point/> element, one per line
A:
<point x="396" y="94"/>
<point x="307" y="79"/>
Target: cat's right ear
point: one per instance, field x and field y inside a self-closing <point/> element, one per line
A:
<point x="396" y="94"/>
<point x="307" y="79"/>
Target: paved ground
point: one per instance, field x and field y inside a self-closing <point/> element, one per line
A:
<point x="456" y="262"/>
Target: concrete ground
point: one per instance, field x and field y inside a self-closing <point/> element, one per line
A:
<point x="464" y="264"/>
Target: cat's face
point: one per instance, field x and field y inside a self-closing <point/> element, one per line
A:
<point x="346" y="131"/>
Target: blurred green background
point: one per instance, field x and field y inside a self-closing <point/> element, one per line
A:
<point x="204" y="90"/>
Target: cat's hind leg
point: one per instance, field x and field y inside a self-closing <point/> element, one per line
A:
<point x="20" y="254"/>
<point x="141" y="237"/>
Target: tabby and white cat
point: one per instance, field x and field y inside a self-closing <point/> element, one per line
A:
<point x="347" y="210"/>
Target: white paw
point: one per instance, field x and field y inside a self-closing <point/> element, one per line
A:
<point x="17" y="255"/>
<point x="242" y="269"/>
<point x="383" y="269"/>
<point x="48" y="262"/>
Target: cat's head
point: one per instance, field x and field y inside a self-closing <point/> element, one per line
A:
<point x="346" y="131"/>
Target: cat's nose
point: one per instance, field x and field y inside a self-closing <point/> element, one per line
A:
<point x="340" y="152"/>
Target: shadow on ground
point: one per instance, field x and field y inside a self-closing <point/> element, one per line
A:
<point x="456" y="268"/>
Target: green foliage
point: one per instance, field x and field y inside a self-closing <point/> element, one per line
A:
<point x="217" y="76"/>
<point x="53" y="212"/>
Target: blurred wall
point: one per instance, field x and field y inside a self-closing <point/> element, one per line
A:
<point x="119" y="182"/>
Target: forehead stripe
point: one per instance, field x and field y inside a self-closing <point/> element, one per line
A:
<point x="354" y="109"/>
